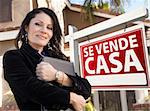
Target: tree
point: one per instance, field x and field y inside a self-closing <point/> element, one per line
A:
<point x="116" y="6"/>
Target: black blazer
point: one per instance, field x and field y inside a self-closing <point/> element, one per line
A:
<point x="30" y="93"/>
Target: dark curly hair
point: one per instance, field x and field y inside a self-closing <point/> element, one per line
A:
<point x="54" y="42"/>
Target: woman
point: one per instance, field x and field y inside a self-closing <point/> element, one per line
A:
<point x="36" y="84"/>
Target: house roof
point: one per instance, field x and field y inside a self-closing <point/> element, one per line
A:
<point x="102" y="13"/>
<point x="99" y="12"/>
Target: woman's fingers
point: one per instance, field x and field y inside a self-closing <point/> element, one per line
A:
<point x="77" y="101"/>
<point x="45" y="71"/>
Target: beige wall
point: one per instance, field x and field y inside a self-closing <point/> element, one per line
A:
<point x="1" y="72"/>
<point x="19" y="10"/>
<point x="6" y="45"/>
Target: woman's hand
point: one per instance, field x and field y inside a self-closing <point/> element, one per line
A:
<point x="45" y="71"/>
<point x="77" y="101"/>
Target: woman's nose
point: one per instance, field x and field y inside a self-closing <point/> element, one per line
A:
<point x="44" y="30"/>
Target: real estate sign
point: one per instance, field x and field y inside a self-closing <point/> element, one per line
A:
<point x="119" y="59"/>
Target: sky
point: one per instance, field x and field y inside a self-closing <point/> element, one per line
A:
<point x="77" y="1"/>
<point x="133" y="4"/>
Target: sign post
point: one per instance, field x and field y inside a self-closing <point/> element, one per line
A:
<point x="118" y="59"/>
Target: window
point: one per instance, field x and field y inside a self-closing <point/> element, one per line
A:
<point x="5" y="10"/>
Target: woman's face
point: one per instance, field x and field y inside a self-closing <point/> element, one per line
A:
<point x="40" y="31"/>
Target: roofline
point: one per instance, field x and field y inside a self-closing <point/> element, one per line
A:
<point x="95" y="13"/>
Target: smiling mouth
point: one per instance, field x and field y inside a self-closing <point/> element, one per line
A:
<point x="42" y="37"/>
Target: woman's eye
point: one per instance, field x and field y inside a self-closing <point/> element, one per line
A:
<point x="37" y="24"/>
<point x="50" y="28"/>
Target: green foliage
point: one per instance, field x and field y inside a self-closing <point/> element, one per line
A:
<point x="89" y="6"/>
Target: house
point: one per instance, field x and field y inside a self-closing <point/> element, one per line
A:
<point x="72" y="14"/>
